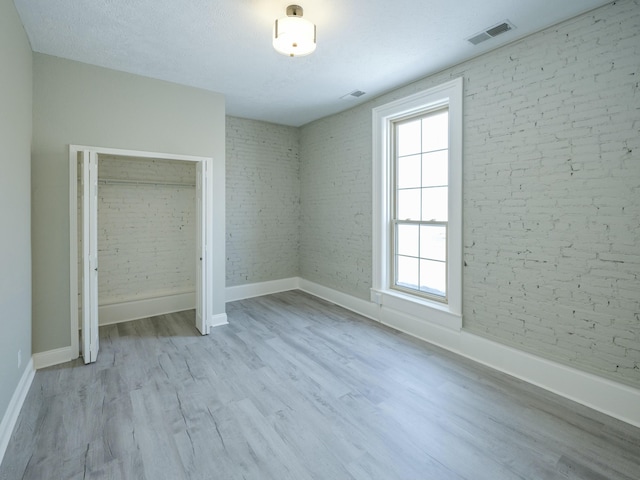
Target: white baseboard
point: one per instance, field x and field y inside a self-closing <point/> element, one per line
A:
<point x="218" y="320"/>
<point x="124" y="312"/>
<point x="607" y="396"/>
<point x="251" y="290"/>
<point x="612" y="398"/>
<point x="150" y="307"/>
<point x="51" y="357"/>
<point x="15" y="405"/>
<point x="363" y="307"/>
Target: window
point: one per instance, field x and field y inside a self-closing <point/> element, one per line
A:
<point x="418" y="204"/>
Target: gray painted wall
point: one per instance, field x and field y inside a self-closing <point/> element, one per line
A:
<point x="263" y="201"/>
<point x="551" y="193"/>
<point x="15" y="200"/>
<point x="75" y="103"/>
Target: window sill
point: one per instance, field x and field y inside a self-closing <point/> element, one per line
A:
<point x="421" y="308"/>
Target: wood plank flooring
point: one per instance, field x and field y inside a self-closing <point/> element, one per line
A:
<point x="297" y="388"/>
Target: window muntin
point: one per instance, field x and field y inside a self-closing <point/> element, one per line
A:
<point x="420" y="210"/>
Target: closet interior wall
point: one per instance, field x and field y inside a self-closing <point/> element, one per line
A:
<point x="146" y="230"/>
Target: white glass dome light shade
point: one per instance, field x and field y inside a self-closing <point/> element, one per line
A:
<point x="293" y="35"/>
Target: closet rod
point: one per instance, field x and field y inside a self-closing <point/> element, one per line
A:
<point x="116" y="181"/>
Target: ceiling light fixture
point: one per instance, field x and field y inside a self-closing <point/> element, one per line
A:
<point x="293" y="35"/>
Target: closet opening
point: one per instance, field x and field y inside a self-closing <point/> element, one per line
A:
<point x="140" y="240"/>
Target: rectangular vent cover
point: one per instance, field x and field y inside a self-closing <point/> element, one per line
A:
<point x="491" y="32"/>
<point x="354" y="94"/>
<point x="497" y="30"/>
<point x="481" y="37"/>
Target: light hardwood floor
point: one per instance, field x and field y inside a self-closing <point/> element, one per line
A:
<point x="297" y="388"/>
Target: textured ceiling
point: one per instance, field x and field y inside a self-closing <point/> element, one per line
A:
<point x="225" y="45"/>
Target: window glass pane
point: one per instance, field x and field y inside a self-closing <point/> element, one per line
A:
<point x="409" y="204"/>
<point x="435" y="132"/>
<point x="408" y="240"/>
<point x="435" y="203"/>
<point x="409" y="171"/>
<point x="407" y="273"/>
<point x="408" y="138"/>
<point x="435" y="169"/>
<point x="433" y="277"/>
<point x="433" y="242"/>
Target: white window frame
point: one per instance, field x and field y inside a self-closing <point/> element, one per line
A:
<point x="445" y="314"/>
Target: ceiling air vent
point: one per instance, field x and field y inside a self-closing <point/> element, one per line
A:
<point x="491" y="32"/>
<point x="354" y="94"/>
<point x="498" y="29"/>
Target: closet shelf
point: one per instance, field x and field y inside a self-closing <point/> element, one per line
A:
<point x="116" y="181"/>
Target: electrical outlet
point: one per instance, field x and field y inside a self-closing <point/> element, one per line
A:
<point x="19" y="358"/>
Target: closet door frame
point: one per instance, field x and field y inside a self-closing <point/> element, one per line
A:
<point x="205" y="255"/>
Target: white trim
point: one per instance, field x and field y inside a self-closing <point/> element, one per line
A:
<point x="451" y="94"/>
<point x="74" y="308"/>
<point x="364" y="308"/>
<point x="52" y="357"/>
<point x="121" y="152"/>
<point x="240" y="292"/>
<point x="148" y="307"/>
<point x="10" y="416"/>
<point x="431" y="311"/>
<point x="218" y="320"/>
<point x="612" y="398"/>
<point x="606" y="396"/>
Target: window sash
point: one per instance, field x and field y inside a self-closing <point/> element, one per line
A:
<point x="395" y="256"/>
<point x="395" y="221"/>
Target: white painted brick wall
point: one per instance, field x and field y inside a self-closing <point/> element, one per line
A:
<point x="551" y="193"/>
<point x="262" y="201"/>
<point x="336" y="181"/>
<point x="146" y="233"/>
